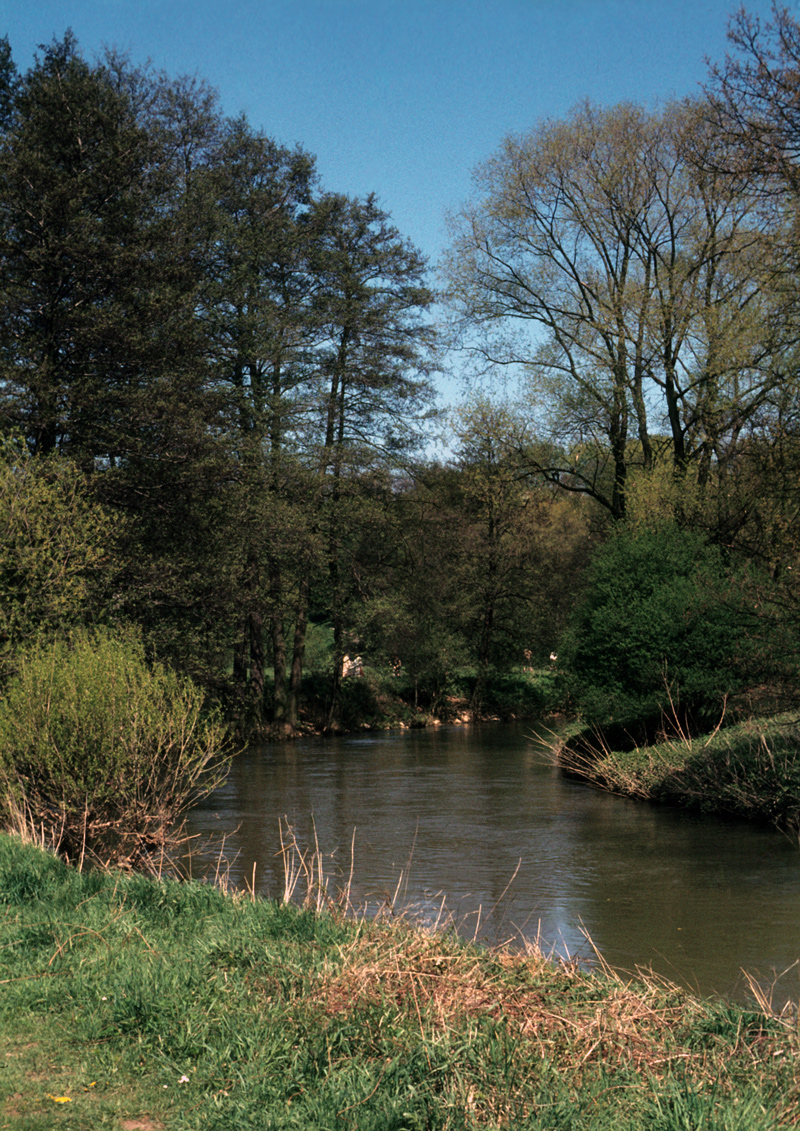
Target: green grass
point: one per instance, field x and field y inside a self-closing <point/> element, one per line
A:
<point x="751" y="769"/>
<point x="141" y="1005"/>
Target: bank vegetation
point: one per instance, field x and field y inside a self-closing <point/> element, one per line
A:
<point x="133" y="1002"/>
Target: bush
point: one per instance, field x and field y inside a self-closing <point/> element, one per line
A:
<point x="513" y="693"/>
<point x="55" y="565"/>
<point x="659" y="626"/>
<point x="101" y="753"/>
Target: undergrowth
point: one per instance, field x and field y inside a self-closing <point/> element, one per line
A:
<point x="132" y="1003"/>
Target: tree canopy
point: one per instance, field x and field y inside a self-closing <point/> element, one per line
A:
<point x="221" y="372"/>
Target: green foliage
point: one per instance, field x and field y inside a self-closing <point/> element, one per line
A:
<point x="519" y="694"/>
<point x="100" y="753"/>
<point x="54" y="549"/>
<point x="659" y="627"/>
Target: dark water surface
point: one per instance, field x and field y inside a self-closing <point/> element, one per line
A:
<point x="457" y="811"/>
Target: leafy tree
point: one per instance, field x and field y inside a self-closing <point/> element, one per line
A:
<point x="92" y="299"/>
<point x="228" y="353"/>
<point x="497" y="536"/>
<point x="8" y="82"/>
<point x="374" y="358"/>
<point x="642" y="287"/>
<point x="256" y="313"/>
<point x="100" y="355"/>
<point x="416" y="606"/>
<point x="660" y="626"/>
<point x="480" y="564"/>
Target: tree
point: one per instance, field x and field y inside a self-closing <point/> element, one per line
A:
<point x="497" y="537"/>
<point x="93" y="300"/>
<point x="8" y="82"/>
<point x="661" y="629"/>
<point x="373" y="360"/>
<point x="256" y="313"/>
<point x="754" y="99"/>
<point x="639" y="285"/>
<point x="416" y="607"/>
<point x="224" y="350"/>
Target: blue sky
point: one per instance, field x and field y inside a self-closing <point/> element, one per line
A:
<point x="403" y="98"/>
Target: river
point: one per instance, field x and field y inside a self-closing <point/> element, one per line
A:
<point x="475" y="824"/>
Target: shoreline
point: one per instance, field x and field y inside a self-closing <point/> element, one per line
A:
<point x="163" y="1006"/>
<point x="749" y="769"/>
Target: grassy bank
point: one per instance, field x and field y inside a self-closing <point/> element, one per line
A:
<point x="750" y="769"/>
<point x="140" y="1005"/>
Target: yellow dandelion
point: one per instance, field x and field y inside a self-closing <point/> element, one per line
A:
<point x="59" y="1099"/>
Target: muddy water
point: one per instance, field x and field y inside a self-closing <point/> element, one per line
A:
<point x="475" y="824"/>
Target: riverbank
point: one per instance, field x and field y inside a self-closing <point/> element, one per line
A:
<point x="377" y="700"/>
<point x="749" y="769"/>
<point x="146" y="1005"/>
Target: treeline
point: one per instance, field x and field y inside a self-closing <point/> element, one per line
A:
<point x="215" y="386"/>
<point x="639" y="271"/>
<point x="216" y="393"/>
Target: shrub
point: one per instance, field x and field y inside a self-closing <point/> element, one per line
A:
<point x="101" y="753"/>
<point x="659" y="625"/>
<point x="55" y="565"/>
<point x="513" y="693"/>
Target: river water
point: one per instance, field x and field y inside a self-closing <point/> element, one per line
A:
<point x="475" y="824"/>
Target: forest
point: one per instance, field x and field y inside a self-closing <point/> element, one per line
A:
<point x="220" y="426"/>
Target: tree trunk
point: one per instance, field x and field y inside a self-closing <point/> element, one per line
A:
<point x="298" y="651"/>
<point x="256" y="665"/>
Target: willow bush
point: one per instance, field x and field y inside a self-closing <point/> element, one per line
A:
<point x="56" y="566"/>
<point x="101" y="753"/>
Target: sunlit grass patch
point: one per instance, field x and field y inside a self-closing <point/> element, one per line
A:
<point x="165" y="1005"/>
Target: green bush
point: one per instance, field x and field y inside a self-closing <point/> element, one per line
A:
<point x="101" y="753"/>
<point x="660" y="628"/>
<point x="518" y="693"/>
<point x="55" y="564"/>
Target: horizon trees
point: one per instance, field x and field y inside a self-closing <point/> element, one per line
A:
<point x="240" y="360"/>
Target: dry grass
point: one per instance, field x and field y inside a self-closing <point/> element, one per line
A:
<point x="592" y="1025"/>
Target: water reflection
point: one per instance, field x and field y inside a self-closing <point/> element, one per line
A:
<point x="459" y="811"/>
